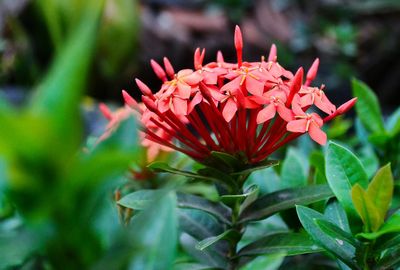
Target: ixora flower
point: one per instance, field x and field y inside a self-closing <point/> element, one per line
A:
<point x="245" y="109"/>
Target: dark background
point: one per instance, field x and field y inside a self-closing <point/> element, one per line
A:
<point x="352" y="39"/>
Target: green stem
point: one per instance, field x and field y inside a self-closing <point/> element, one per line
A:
<point x="233" y="260"/>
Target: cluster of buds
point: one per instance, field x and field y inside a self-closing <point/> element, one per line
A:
<point x="246" y="109"/>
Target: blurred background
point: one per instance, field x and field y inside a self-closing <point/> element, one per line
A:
<point x="358" y="38"/>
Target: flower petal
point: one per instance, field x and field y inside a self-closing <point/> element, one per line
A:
<point x="255" y="87"/>
<point x="317" y="134"/>
<point x="229" y="110"/>
<point x="266" y="114"/>
<point x="285" y="112"/>
<point x="179" y="106"/>
<point x="297" y="125"/>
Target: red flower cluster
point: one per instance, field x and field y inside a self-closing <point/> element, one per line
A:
<point x="247" y="108"/>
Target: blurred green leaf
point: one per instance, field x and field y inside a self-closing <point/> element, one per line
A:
<point x="366" y="209"/>
<point x="367" y="107"/>
<point x="140" y="199"/>
<point x="265" y="262"/>
<point x="380" y="190"/>
<point x="272" y="203"/>
<point x="293" y="173"/>
<point x="259" y="166"/>
<point x="390" y="260"/>
<point x="343" y="170"/>
<point x="338" y="247"/>
<point x="393" y="123"/>
<point x="369" y="160"/>
<point x="281" y="243"/>
<point x="155" y="235"/>
<point x="58" y="96"/>
<point x="317" y="160"/>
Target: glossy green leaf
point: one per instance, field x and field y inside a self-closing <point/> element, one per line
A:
<point x="380" y="190"/>
<point x="281" y="243"/>
<point x="335" y="232"/>
<point x="366" y="209"/>
<point x="218" y="210"/>
<point x="335" y="213"/>
<point x="251" y="192"/>
<point x="191" y="266"/>
<point x="343" y="170"/>
<point x="275" y="202"/>
<point x="367" y="107"/>
<point x="155" y="235"/>
<point x="140" y="199"/>
<point x="392" y="225"/>
<point x="199" y="224"/>
<point x="293" y="172"/>
<point x="229" y="160"/>
<point x="341" y="249"/>
<point x="226" y="235"/>
<point x="390" y="260"/>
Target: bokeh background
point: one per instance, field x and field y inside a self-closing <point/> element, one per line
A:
<point x="352" y="38"/>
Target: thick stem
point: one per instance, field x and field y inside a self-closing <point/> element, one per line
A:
<point x="233" y="261"/>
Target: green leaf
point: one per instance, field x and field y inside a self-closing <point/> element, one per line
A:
<point x="272" y="203"/>
<point x="293" y="173"/>
<point x="155" y="235"/>
<point x="226" y="235"/>
<point x="288" y="244"/>
<point x="259" y="166"/>
<point x="369" y="160"/>
<point x="140" y="199"/>
<point x="199" y="224"/>
<point x="251" y="192"/>
<point x="265" y="262"/>
<point x="393" y="123"/>
<point x="317" y="160"/>
<point x="392" y="225"/>
<point x="341" y="249"/>
<point x="207" y="257"/>
<point x="380" y="190"/>
<point x="159" y="166"/>
<point x="218" y="210"/>
<point x="59" y="95"/>
<point x="229" y="160"/>
<point x="390" y="260"/>
<point x="343" y="170"/>
<point x="389" y="243"/>
<point x="335" y="232"/>
<point x="366" y="209"/>
<point x="367" y="107"/>
<point x="335" y="213"/>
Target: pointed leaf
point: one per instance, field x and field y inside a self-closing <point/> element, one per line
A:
<point x="335" y="213"/>
<point x="342" y="250"/>
<point x="343" y="170"/>
<point x="335" y="232"/>
<point x="392" y="225"/>
<point x="282" y="243"/>
<point x="251" y="192"/>
<point x="367" y="107"/>
<point x="380" y="190"/>
<point x="199" y="224"/>
<point x="366" y="209"/>
<point x="140" y="199"/>
<point x="393" y="123"/>
<point x="272" y="203"/>
<point x="226" y="235"/>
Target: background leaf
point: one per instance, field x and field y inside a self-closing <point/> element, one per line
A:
<point x="367" y="107"/>
<point x="343" y="170"/>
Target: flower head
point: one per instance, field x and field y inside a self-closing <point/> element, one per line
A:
<point x="246" y="109"/>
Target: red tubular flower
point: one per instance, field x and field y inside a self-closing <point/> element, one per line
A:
<point x="246" y="109"/>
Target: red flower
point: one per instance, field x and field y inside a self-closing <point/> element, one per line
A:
<point x="246" y="109"/>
